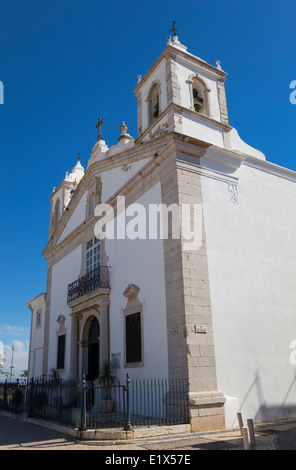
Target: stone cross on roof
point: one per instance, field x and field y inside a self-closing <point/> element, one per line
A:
<point x="98" y="126"/>
<point x="173" y="29"/>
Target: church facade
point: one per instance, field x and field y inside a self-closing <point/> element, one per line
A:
<point x="172" y="255"/>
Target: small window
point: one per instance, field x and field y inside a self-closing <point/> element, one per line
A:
<point x="133" y="338"/>
<point x="38" y="318"/>
<point x="61" y="352"/>
<point x="93" y="254"/>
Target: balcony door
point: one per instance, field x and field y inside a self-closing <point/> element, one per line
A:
<point x="93" y="254"/>
<point x="94" y="350"/>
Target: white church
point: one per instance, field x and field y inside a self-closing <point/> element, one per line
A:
<point x="217" y="308"/>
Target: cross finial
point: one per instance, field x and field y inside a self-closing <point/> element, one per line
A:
<point x="173" y="29"/>
<point x="78" y="156"/>
<point x="98" y="126"/>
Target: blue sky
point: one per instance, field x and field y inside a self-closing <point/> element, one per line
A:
<point x="63" y="63"/>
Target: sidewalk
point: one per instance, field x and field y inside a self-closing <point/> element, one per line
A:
<point x="19" y="432"/>
<point x="280" y="435"/>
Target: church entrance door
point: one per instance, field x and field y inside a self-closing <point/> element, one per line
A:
<point x="94" y="350"/>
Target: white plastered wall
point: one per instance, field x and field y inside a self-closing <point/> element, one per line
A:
<point x="194" y="127"/>
<point x="36" y="343"/>
<point x="77" y="217"/>
<point x="114" y="179"/>
<point x="64" y="272"/>
<point x="140" y="262"/>
<point x="252" y="258"/>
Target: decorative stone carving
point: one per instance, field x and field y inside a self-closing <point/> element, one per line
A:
<point x="233" y="190"/>
<point x="124" y="136"/>
<point x="126" y="167"/>
<point x="61" y="321"/>
<point x="160" y="130"/>
<point x="131" y="293"/>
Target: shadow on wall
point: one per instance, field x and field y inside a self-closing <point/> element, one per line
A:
<point x="269" y="412"/>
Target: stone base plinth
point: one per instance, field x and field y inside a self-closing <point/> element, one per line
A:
<point x="206" y="411"/>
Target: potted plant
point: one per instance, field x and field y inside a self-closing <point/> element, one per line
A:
<point x="106" y="380"/>
<point x="55" y="377"/>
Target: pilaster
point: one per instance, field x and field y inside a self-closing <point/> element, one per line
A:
<point x="222" y="101"/>
<point x="104" y="331"/>
<point x="47" y="317"/>
<point x="172" y="83"/>
<point x="139" y="113"/>
<point x="74" y="348"/>
<point x="191" y="349"/>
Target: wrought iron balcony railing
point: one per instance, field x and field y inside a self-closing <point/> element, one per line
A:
<point x="93" y="280"/>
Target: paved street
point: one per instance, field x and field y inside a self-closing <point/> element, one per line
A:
<point x="19" y="435"/>
<point x="16" y="434"/>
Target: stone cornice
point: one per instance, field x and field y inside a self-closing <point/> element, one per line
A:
<point x="63" y="184"/>
<point x="138" y="153"/>
<point x="183" y="110"/>
<point x="224" y="157"/>
<point x="93" y="299"/>
<point x="232" y="160"/>
<point x="37" y="301"/>
<point x="198" y="169"/>
<point x="203" y="117"/>
<point x="271" y="168"/>
<point x="171" y="51"/>
<point x="168" y="144"/>
<point x="210" y="70"/>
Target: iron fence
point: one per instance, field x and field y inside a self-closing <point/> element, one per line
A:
<point x="134" y="403"/>
<point x="52" y="399"/>
<point x="13" y="396"/>
<point x="158" y="401"/>
<point x="137" y="402"/>
<point x="100" y="407"/>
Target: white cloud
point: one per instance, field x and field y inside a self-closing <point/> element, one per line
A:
<point x="18" y="336"/>
<point x="19" y="358"/>
<point x="14" y="331"/>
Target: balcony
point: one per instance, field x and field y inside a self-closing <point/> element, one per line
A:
<point x="98" y="278"/>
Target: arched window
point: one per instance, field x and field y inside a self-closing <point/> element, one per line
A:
<point x="154" y="102"/>
<point x="199" y="95"/>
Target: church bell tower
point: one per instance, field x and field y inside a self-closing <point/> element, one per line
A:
<point x="182" y="93"/>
